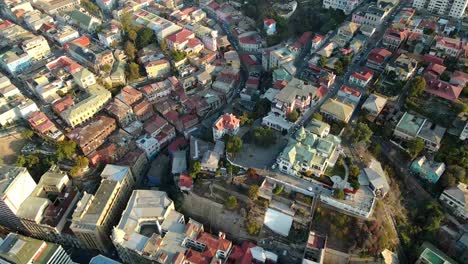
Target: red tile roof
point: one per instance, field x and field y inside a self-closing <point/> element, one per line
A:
<point x="82" y="41"/>
<point x="434" y="70"/>
<point x="6" y="24"/>
<point x="305" y="37"/>
<point x="349" y="90"/>
<point x="459" y="78"/>
<point x="433" y="59"/>
<point x="228" y="121"/>
<point x="280" y="84"/>
<point x="154" y="124"/>
<point x="63" y="104"/>
<point x="364" y="75"/>
<point x="185" y="181"/>
<point x="322" y="91"/>
<point x="251" y="39"/>
<point x="65" y="62"/>
<point x="177" y="144"/>
<point x="194" y="42"/>
<point x="379" y="55"/>
<point x="449" y="42"/>
<point x="181" y="36"/>
<point x="249" y="59"/>
<point x="214" y="5"/>
<point x="444" y="89"/>
<point x="196" y="257"/>
<point x="40" y="122"/>
<point x="317" y="38"/>
<point x="269" y="21"/>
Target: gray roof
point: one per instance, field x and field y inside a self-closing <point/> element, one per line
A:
<point x="376" y="176"/>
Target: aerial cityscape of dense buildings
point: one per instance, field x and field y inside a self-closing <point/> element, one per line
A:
<point x="233" y="132"/>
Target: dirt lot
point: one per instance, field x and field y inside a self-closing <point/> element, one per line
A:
<point x="10" y="147"/>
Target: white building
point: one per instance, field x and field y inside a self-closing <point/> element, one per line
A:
<point x="95" y="214"/>
<point x="151" y="231"/>
<point x="149" y="145"/>
<point x="37" y="48"/>
<point x="457" y="199"/>
<point x="347" y="6"/>
<point x="16" y="184"/>
<point x="452" y="8"/>
<point x="225" y="124"/>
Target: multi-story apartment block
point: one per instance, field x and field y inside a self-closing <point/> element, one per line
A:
<point x="161" y="27"/>
<point x="312" y="149"/>
<point x="53" y="7"/>
<point x="169" y="239"/>
<point x="35" y="19"/>
<point x="337" y="110"/>
<point x="280" y="57"/>
<point x="393" y="38"/>
<point x="208" y="36"/>
<point x="157" y="68"/>
<point x="149" y="145"/>
<point x="456" y="198"/>
<point x="161" y="89"/>
<point x="377" y="58"/>
<point x="85" y="109"/>
<point x="129" y="95"/>
<point x="93" y="135"/>
<point x="95" y="215"/>
<point x="250" y="41"/>
<point x="15" y="186"/>
<point x="15" y="61"/>
<point x="45" y="212"/>
<point x="22" y="249"/>
<point x="37" y="48"/>
<point x="111" y="33"/>
<point x="449" y="47"/>
<point x="225" y="124"/>
<point x="347" y="6"/>
<point x="90" y="55"/>
<point x="121" y="112"/>
<point x="452" y="8"/>
<point x="63" y="34"/>
<point x="184" y="40"/>
<point x="296" y="95"/>
<point x="411" y="127"/>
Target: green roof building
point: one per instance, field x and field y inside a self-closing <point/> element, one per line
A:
<point x="24" y="250"/>
<point x="311" y="149"/>
<point x="432" y="255"/>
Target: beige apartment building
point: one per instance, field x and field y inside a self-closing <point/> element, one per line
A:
<point x="96" y="214"/>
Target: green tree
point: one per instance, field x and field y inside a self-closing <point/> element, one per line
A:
<point x="196" y="167"/>
<point x="107" y="68"/>
<point x="231" y="202"/>
<point x="415" y="147"/>
<point x="130" y="50"/>
<point x="445" y="76"/>
<point x="245" y="120"/>
<point x="278" y="189"/>
<point x="90" y="7"/>
<point x="253" y="228"/>
<point x="178" y="55"/>
<point x="453" y="174"/>
<point x="163" y="45"/>
<point x="355" y="184"/>
<point x="65" y="149"/>
<point x="145" y="37"/>
<point x="339" y="194"/>
<point x="82" y="162"/>
<point x="133" y="71"/>
<point x="322" y="62"/>
<point x="417" y="86"/>
<point x="293" y="116"/>
<point x="253" y="192"/>
<point x="362" y="133"/>
<point x="339" y="68"/>
<point x="27" y="134"/>
<point x="376" y="149"/>
<point x="264" y="136"/>
<point x="354" y="171"/>
<point x="132" y="35"/>
<point x="317" y="116"/>
<point x="234" y="144"/>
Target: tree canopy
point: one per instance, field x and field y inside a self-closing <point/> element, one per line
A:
<point x="415" y="147"/>
<point x="231" y="202"/>
<point x="27" y="134"/>
<point x="133" y="72"/>
<point x="253" y="192"/>
<point x="293" y="116"/>
<point x="234" y="144"/>
<point x="361" y="133"/>
<point x="65" y="149"/>
<point x="417" y="86"/>
<point x="145" y="37"/>
<point x="264" y="136"/>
